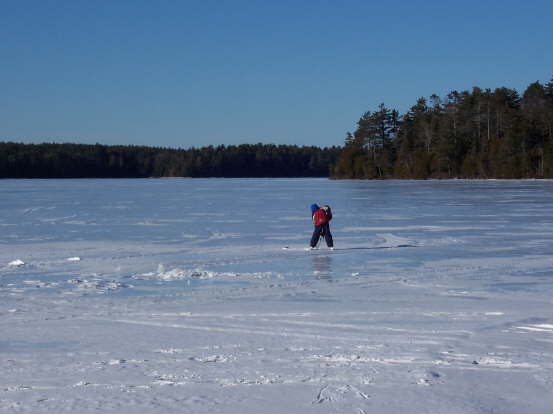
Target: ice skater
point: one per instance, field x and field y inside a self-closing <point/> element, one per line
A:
<point x="321" y="217"/>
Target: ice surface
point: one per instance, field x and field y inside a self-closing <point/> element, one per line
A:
<point x="180" y="295"/>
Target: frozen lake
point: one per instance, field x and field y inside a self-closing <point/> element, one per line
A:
<point x="180" y="295"/>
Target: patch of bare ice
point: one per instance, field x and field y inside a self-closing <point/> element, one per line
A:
<point x="186" y="274"/>
<point x="40" y="284"/>
<point x="391" y="240"/>
<point x="213" y="358"/>
<point x="215" y="235"/>
<point x="97" y="285"/>
<point x="182" y="274"/>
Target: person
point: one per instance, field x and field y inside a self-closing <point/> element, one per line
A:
<point x="321" y="217"/>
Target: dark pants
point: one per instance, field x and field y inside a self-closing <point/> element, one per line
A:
<point x="324" y="231"/>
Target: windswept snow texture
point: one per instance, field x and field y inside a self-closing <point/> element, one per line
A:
<point x="197" y="296"/>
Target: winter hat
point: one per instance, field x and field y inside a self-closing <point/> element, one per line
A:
<point x="314" y="207"/>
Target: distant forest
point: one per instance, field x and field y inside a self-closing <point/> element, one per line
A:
<point x="481" y="133"/>
<point x="469" y="134"/>
<point x="79" y="161"/>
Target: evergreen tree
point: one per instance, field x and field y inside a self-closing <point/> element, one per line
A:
<point x="474" y="134"/>
<point x="536" y="126"/>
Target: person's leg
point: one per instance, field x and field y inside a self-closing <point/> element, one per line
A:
<point x="328" y="235"/>
<point x="316" y="234"/>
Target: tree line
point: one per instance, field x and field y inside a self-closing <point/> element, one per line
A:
<point x="50" y="160"/>
<point x="481" y="133"/>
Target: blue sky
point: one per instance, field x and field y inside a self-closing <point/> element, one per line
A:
<point x="194" y="73"/>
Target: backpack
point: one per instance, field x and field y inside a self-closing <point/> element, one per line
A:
<point x="320" y="217"/>
<point x="327" y="211"/>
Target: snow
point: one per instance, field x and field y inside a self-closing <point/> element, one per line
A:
<point x="172" y="296"/>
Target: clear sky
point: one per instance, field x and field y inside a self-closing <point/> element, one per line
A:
<point x="194" y="73"/>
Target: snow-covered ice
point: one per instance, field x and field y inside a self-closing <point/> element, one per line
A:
<point x="196" y="296"/>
